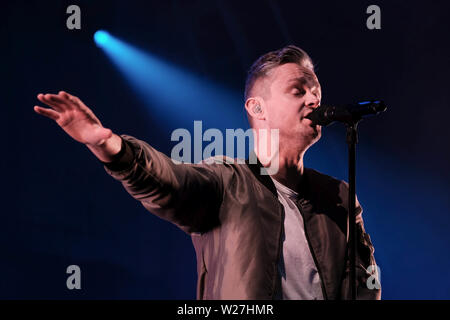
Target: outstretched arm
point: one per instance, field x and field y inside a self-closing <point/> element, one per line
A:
<point x="186" y="195"/>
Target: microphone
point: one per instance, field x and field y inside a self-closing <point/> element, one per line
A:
<point x="349" y="113"/>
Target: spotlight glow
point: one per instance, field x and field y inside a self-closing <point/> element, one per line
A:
<point x="101" y="37"/>
<point x="171" y="93"/>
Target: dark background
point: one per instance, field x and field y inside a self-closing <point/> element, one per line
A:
<point x="59" y="207"/>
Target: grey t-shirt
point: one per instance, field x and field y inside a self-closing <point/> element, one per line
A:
<point x="300" y="279"/>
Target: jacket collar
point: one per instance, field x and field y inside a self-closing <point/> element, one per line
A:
<point x="266" y="180"/>
<point x="263" y="178"/>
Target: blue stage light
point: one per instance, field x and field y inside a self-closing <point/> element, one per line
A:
<point x="174" y="97"/>
<point x="101" y="37"/>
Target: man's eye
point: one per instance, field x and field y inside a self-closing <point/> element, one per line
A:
<point x="298" y="92"/>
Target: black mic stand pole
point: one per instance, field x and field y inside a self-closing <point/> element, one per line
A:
<point x="352" y="140"/>
<point x="351" y="118"/>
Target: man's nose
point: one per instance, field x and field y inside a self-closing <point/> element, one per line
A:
<point x="312" y="100"/>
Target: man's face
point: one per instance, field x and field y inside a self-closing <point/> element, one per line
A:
<point x="294" y="92"/>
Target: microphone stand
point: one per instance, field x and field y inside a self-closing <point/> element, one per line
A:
<point x="352" y="140"/>
<point x="350" y="116"/>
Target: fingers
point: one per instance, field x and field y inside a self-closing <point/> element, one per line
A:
<point x="52" y="101"/>
<point x="64" y="94"/>
<point x="61" y="101"/>
<point x="58" y="98"/>
<point x="76" y="102"/>
<point x="67" y="96"/>
<point x="65" y="100"/>
<point x="50" y="113"/>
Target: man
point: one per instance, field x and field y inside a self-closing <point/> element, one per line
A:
<point x="256" y="236"/>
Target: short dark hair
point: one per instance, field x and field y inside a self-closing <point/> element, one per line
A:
<point x="270" y="60"/>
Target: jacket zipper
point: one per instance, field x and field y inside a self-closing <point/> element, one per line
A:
<point x="313" y="254"/>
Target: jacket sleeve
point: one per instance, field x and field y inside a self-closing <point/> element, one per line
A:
<point x="367" y="272"/>
<point x="187" y="195"/>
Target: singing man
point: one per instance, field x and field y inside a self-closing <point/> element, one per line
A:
<point x="256" y="235"/>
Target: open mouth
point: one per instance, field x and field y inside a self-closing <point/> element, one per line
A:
<point x="305" y="116"/>
<point x="309" y="122"/>
<point x="307" y="113"/>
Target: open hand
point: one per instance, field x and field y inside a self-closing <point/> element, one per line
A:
<point x="74" y="117"/>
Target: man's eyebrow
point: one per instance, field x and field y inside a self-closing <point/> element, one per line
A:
<point x="299" y="79"/>
<point x="310" y="81"/>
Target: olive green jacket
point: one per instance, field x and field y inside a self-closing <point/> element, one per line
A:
<point x="233" y="215"/>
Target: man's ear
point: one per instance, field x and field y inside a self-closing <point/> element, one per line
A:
<point x="255" y="108"/>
